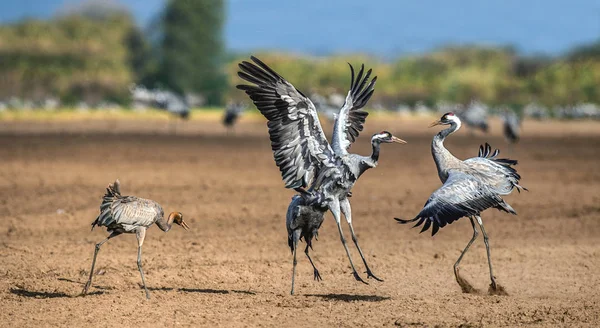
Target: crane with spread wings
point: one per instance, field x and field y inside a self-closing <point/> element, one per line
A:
<point x="322" y="173"/>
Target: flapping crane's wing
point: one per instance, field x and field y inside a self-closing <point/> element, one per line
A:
<point x="351" y="118"/>
<point x="299" y="145"/>
<point x="461" y="195"/>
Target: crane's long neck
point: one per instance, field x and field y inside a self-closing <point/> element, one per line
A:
<point x="165" y="225"/>
<point x="371" y="161"/>
<point x="375" y="154"/>
<point x="444" y="160"/>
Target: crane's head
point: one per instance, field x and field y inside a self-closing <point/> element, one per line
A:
<point x="177" y="218"/>
<point x="386" y="137"/>
<point x="446" y="119"/>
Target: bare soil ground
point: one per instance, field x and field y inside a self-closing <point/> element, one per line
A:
<point x="233" y="268"/>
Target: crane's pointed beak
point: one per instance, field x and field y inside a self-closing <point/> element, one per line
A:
<point x="184" y="225"/>
<point x="398" y="140"/>
<point x="434" y="123"/>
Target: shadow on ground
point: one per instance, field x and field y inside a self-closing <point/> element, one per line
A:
<point x="40" y="294"/>
<point x="350" y="298"/>
<point x="214" y="291"/>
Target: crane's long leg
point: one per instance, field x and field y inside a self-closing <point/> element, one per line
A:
<point x="460" y="280"/>
<point x="347" y="211"/>
<point x="316" y="272"/>
<point x="487" y="248"/>
<point x="96" y="250"/>
<point x="141" y="234"/>
<point x="295" y="263"/>
<point x="334" y="207"/>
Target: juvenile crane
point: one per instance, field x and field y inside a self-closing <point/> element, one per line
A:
<point x="301" y="150"/>
<point x="469" y="187"/>
<point x="130" y="214"/>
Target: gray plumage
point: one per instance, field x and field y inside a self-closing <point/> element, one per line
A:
<point x="303" y="222"/>
<point x="172" y="103"/>
<point x="511" y="127"/>
<point x="161" y="99"/>
<point x="475" y="116"/>
<point x="324" y="107"/>
<point x="129" y="214"/>
<point x="469" y="187"/>
<point x="300" y="148"/>
<point x="232" y="113"/>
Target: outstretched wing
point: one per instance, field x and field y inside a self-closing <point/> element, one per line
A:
<point x="299" y="145"/>
<point x="461" y="195"/>
<point x="351" y="118"/>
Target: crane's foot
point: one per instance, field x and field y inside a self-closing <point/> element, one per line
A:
<point x="358" y="278"/>
<point x="496" y="289"/>
<point x="85" y="288"/>
<point x="493" y="284"/>
<point x="465" y="286"/>
<point x="317" y="275"/>
<point x="371" y="275"/>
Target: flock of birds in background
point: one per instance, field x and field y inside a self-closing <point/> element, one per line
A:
<point x="323" y="174"/>
<point x="475" y="116"/>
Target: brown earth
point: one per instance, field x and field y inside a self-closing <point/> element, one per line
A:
<point x="233" y="268"/>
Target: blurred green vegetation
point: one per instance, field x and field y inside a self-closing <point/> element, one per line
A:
<point x="497" y="76"/>
<point x="72" y="57"/>
<point x="91" y="57"/>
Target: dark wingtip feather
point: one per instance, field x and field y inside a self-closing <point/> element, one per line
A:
<point x="352" y="76"/>
<point x="435" y="229"/>
<point x="402" y="221"/>
<point x="426" y="226"/>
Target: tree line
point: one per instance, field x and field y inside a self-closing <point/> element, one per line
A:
<point x="94" y="55"/>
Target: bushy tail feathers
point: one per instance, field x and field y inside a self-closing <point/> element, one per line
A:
<point x="112" y="191"/>
<point x="486" y="152"/>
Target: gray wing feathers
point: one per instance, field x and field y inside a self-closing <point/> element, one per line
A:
<point x="299" y="145"/>
<point x="126" y="212"/>
<point x="461" y="195"/>
<point x="134" y="212"/>
<point x="351" y="118"/>
<point x="495" y="172"/>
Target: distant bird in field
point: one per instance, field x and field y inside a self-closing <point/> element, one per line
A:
<point x="324" y="107"/>
<point x="511" y="126"/>
<point x="172" y="103"/>
<point x="232" y="112"/>
<point x="130" y="214"/>
<point x="469" y="187"/>
<point x="301" y="150"/>
<point x="476" y="116"/>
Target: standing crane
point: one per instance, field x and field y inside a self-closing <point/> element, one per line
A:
<point x="300" y="148"/>
<point x="232" y="113"/>
<point x="476" y="116"/>
<point x="511" y="127"/>
<point x="469" y="187"/>
<point x="130" y="214"/>
<point x="172" y="103"/>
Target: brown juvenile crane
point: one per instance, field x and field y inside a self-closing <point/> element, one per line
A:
<point x="130" y="214"/>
